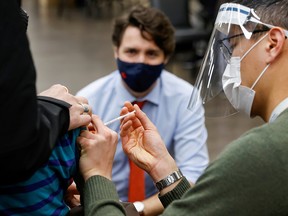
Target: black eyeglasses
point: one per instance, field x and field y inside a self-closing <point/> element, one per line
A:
<point x="226" y="48"/>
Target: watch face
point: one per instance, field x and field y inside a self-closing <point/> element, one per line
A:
<point x="139" y="206"/>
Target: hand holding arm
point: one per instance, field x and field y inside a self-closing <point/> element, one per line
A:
<point x="76" y="104"/>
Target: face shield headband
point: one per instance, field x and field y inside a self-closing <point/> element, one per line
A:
<point x="234" y="24"/>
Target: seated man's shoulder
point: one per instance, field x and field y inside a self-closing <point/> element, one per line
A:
<point x="98" y="85"/>
<point x="176" y="84"/>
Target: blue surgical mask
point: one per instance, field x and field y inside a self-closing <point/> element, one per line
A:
<point x="139" y="76"/>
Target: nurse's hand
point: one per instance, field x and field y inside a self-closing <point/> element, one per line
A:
<point x="143" y="144"/>
<point x="97" y="150"/>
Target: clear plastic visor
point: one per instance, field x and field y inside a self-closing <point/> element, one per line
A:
<point x="233" y="25"/>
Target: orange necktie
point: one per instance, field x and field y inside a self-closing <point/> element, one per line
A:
<point x="136" y="178"/>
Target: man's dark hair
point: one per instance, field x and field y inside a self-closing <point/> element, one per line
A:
<point x="147" y="20"/>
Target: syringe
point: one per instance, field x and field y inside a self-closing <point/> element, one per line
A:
<point x="118" y="118"/>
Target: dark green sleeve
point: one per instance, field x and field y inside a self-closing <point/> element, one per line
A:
<point x="101" y="198"/>
<point x="176" y="193"/>
<point x="249" y="178"/>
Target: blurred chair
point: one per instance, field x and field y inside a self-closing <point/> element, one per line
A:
<point x="95" y="7"/>
<point x="63" y="5"/>
<point x="209" y="11"/>
<point x="188" y="38"/>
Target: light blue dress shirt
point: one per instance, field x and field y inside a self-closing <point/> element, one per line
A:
<point x="182" y="130"/>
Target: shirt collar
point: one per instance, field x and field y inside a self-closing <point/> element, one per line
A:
<point x="278" y="110"/>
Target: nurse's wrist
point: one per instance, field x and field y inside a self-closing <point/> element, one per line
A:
<point x="165" y="167"/>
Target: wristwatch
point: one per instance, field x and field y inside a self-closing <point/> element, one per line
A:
<point x="139" y="207"/>
<point x="168" y="180"/>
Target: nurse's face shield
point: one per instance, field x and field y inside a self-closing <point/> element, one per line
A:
<point x="234" y="26"/>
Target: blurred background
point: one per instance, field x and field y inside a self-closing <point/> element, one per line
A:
<point x="71" y="45"/>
